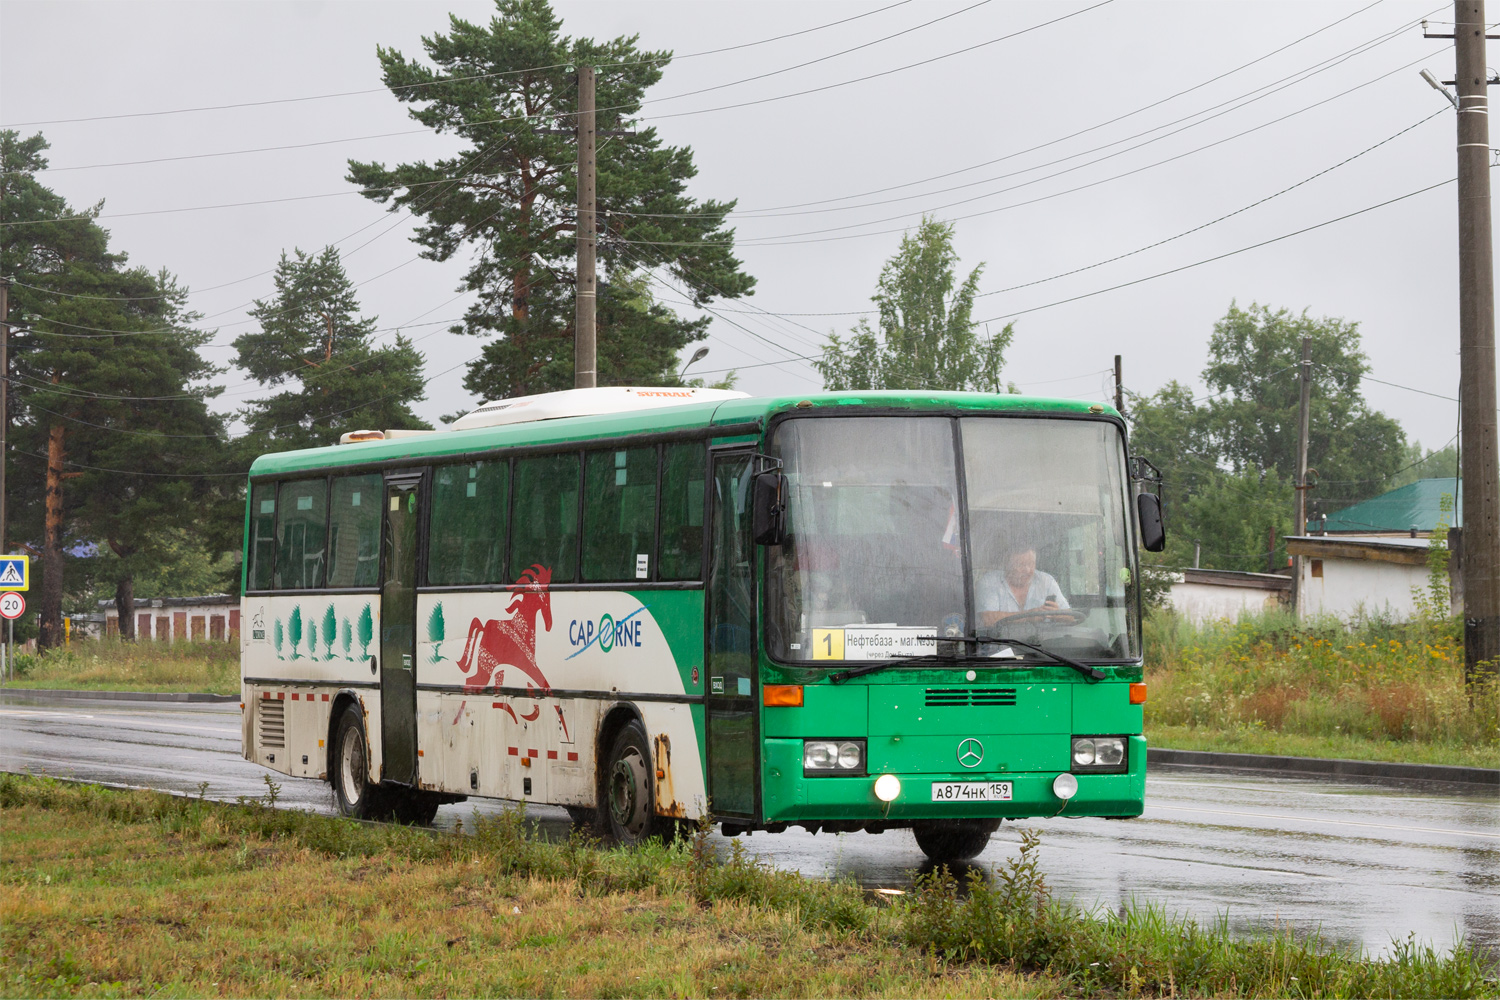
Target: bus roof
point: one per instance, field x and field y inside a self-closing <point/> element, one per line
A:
<point x="685" y="416"/>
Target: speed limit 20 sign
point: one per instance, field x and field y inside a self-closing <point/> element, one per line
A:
<point x="12" y="605"/>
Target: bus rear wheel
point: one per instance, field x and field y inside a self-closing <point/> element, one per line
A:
<point x="954" y="839"/>
<point x="350" y="768"/>
<point x="629" y="799"/>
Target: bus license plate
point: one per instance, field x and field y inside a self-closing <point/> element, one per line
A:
<point x="971" y="791"/>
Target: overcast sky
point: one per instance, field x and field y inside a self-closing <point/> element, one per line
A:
<point x="1053" y="198"/>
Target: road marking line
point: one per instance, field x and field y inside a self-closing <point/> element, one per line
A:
<point x="1326" y="822"/>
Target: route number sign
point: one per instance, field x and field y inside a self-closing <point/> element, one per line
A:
<point x="12" y="605"/>
<point x="15" y="573"/>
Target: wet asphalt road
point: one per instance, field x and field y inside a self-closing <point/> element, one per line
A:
<point x="1365" y="862"/>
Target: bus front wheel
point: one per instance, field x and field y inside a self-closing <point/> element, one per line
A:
<point x="629" y="803"/>
<point x="350" y="769"/>
<point x="954" y="839"/>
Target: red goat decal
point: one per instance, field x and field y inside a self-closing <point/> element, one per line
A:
<point x="510" y="642"/>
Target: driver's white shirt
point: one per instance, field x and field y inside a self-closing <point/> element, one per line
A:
<point x="995" y="594"/>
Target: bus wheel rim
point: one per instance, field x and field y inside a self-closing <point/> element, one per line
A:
<point x="352" y="760"/>
<point x="626" y="794"/>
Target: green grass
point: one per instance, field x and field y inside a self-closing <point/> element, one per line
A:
<point x="107" y="893"/>
<point x="1381" y="690"/>
<point x="113" y="665"/>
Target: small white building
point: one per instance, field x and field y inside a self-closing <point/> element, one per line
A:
<point x="1350" y="575"/>
<point x="1204" y="595"/>
<point x="214" y="618"/>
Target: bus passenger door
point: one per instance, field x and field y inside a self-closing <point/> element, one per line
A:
<point x="729" y="702"/>
<point x="398" y="633"/>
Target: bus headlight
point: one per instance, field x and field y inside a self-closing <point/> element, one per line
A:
<point x="1099" y="753"/>
<point x="833" y="757"/>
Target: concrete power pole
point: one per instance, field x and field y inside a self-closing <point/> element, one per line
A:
<point x="1119" y="388"/>
<point x="1299" y="525"/>
<point x="1476" y="338"/>
<point x="585" y="350"/>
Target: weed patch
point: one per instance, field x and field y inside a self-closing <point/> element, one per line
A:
<point x="107" y="893"/>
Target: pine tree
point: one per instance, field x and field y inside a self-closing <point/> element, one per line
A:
<point x="926" y="338"/>
<point x="109" y="396"/>
<point x="313" y="341"/>
<point x="511" y="193"/>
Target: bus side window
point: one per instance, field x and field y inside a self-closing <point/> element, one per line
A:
<point x="301" y="530"/>
<point x="354" y="532"/>
<point x="682" y="511"/>
<point x="467" y="526"/>
<point x="619" y="514"/>
<point x="544" y="529"/>
<point x="262" y="536"/>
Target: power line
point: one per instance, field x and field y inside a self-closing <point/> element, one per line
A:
<point x="456" y="79"/>
<point x="790" y="239"/>
<point x="620" y="107"/>
<point x="1222" y="256"/>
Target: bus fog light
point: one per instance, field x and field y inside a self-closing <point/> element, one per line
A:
<point x="1065" y="786"/>
<point x="888" y="786"/>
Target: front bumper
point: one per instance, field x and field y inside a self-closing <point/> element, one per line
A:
<point x="790" y="797"/>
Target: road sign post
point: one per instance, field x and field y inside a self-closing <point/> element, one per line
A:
<point x="12" y="606"/>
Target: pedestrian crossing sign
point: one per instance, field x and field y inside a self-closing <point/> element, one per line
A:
<point x="15" y="573"/>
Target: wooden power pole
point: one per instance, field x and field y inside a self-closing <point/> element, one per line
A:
<point x="1299" y="525"/>
<point x="585" y="349"/>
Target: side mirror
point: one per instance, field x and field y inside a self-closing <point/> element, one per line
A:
<point x="768" y="508"/>
<point x="1153" y="531"/>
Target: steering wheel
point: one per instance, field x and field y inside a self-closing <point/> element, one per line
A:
<point x="1074" y="616"/>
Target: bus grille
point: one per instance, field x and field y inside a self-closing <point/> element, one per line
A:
<point x="970" y="696"/>
<point x="272" y="719"/>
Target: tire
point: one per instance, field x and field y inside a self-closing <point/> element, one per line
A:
<point x="349" y="769"/>
<point x="954" y="839"/>
<point x="629" y="792"/>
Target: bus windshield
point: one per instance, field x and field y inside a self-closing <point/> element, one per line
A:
<point x="885" y="550"/>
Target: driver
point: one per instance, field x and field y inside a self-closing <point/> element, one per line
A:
<point x="1021" y="587"/>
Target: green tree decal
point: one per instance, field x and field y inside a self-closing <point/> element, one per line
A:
<point x="330" y="630"/>
<point x="436" y="631"/>
<point x="277" y="635"/>
<point x="366" y="632"/>
<point x="347" y="639"/>
<point x="294" y="630"/>
<point x="312" y="640"/>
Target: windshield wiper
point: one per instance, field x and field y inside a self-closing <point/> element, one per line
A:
<point x="1092" y="673"/>
<point x="870" y="668"/>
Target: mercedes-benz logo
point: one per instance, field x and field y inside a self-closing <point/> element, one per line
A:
<point x="970" y="752"/>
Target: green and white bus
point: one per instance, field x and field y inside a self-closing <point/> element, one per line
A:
<point x="846" y="611"/>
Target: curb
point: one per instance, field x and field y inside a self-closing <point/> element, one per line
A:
<point x="1453" y="774"/>
<point x="177" y="696"/>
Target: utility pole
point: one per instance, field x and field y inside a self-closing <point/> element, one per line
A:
<point x="4" y="397"/>
<point x="1119" y="389"/>
<point x="1480" y="470"/>
<point x="1299" y="526"/>
<point x="585" y="349"/>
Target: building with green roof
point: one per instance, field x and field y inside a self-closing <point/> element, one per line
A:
<point x="1417" y="505"/>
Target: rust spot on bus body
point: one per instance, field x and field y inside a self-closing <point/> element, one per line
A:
<point x="666" y="797"/>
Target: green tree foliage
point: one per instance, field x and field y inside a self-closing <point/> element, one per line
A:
<point x="110" y="422"/>
<point x="510" y="192"/>
<point x="1230" y="460"/>
<point x="927" y="338"/>
<point x="1424" y="463"/>
<point x="314" y="344"/>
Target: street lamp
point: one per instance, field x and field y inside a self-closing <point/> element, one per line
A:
<point x="698" y="356"/>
